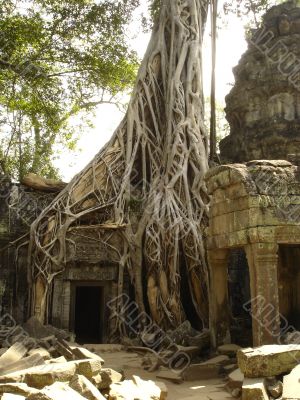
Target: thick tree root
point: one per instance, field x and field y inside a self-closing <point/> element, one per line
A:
<point x="148" y="180"/>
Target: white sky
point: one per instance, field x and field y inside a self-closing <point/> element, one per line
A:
<point x="230" y="46"/>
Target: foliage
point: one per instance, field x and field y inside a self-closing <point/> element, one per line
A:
<point x="57" y="59"/>
<point x="249" y="10"/>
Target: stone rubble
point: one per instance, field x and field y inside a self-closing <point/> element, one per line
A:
<point x="50" y="368"/>
<point x="266" y="373"/>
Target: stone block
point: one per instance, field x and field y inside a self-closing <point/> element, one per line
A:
<point x="39" y="377"/>
<point x="57" y="391"/>
<point x="106" y="377"/>
<point x="82" y="353"/>
<point x="269" y="360"/>
<point x="17" y="388"/>
<point x="83" y="386"/>
<point x="254" y="389"/>
<point x="235" y="379"/>
<point x="291" y="385"/>
<point x="15" y="353"/>
<point x="137" y="389"/>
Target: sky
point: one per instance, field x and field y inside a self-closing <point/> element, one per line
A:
<point x="230" y="46"/>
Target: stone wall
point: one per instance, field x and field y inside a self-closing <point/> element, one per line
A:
<point x="19" y="206"/>
<point x="263" y="108"/>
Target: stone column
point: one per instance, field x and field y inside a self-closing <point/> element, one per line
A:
<point x="218" y="292"/>
<point x="264" y="304"/>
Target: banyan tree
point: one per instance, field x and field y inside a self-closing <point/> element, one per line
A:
<point x="146" y="185"/>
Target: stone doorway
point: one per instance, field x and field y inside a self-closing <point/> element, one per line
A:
<point x="288" y="286"/>
<point x="88" y="313"/>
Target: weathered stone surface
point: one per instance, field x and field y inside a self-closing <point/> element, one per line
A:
<point x="200" y="371"/>
<point x="137" y="389"/>
<point x="17" y="388"/>
<point x="82" y="353"/>
<point x="268" y="360"/>
<point x="254" y="389"/>
<point x="40" y="377"/>
<point x="41" y="352"/>
<point x="291" y="385"/>
<point x="106" y="377"/>
<point x="235" y="379"/>
<point x="15" y="353"/>
<point x="169" y="375"/>
<point x="57" y="391"/>
<point x="88" y="367"/>
<point x="25" y="363"/>
<point x="263" y="107"/>
<point x="83" y="386"/>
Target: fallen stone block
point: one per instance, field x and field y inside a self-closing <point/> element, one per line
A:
<point x="25" y="363"/>
<point x="191" y="351"/>
<point x="40" y="351"/>
<point x="269" y="360"/>
<point x="291" y="385"/>
<point x="136" y="389"/>
<point x="13" y="354"/>
<point x="88" y="367"/>
<point x="57" y="391"/>
<point x="63" y="349"/>
<point x="17" y="388"/>
<point x="169" y="375"/>
<point x="106" y="377"/>
<point x="39" y="377"/>
<point x="197" y="372"/>
<point x="235" y="379"/>
<point x="254" y="389"/>
<point x="83" y="386"/>
<point x="229" y="349"/>
<point x="209" y="369"/>
<point x="163" y="389"/>
<point x="82" y="353"/>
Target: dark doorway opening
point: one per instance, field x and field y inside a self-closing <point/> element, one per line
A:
<point x="89" y="308"/>
<point x="239" y="298"/>
<point x="288" y="286"/>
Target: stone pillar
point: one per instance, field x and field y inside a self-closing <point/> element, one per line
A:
<point x="219" y="307"/>
<point x="264" y="305"/>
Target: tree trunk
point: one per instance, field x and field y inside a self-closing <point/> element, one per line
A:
<point x="149" y="177"/>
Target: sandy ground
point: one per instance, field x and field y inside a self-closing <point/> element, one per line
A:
<point x="130" y="363"/>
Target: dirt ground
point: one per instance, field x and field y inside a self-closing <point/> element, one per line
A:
<point x="130" y="363"/>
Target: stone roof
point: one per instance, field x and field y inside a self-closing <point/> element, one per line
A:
<point x="262" y="177"/>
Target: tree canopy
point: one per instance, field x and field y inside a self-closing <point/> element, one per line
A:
<point x="57" y="59"/>
<point x="60" y="59"/>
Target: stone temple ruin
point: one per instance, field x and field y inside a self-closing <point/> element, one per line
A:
<point x="253" y="237"/>
<point x="253" y="252"/>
